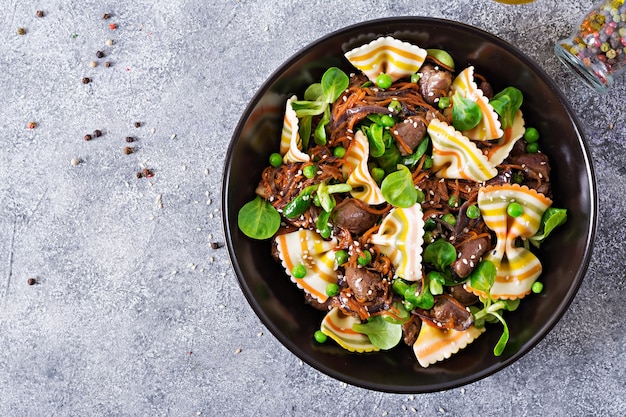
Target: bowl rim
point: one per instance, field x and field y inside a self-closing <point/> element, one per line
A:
<point x="559" y="310"/>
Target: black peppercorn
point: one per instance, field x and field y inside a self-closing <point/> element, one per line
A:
<point x="31" y="281"/>
<point x="39" y="13"/>
<point x="138" y="174"/>
<point x="99" y="54"/>
<point x="87" y="137"/>
<point x="128" y="150"/>
<point x="106" y="16"/>
<point x="97" y="133"/>
<point x="137" y="124"/>
<point x="107" y="64"/>
<point x="86" y="80"/>
<point x="215" y="245"/>
<point x="129" y="139"/>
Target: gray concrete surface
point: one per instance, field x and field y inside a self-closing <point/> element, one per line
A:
<point x="133" y="312"/>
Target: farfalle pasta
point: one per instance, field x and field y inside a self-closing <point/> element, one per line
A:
<point x="410" y="210"/>
<point x="489" y="126"/>
<point x="400" y="237"/>
<point x="359" y="177"/>
<point x="290" y="142"/>
<point x="434" y="344"/>
<point x="305" y="247"/>
<point x="501" y="150"/>
<point x="517" y="267"/>
<point x="387" y="55"/>
<point x="455" y="156"/>
<point x="338" y="326"/>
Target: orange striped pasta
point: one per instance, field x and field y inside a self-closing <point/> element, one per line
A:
<point x="512" y="134"/>
<point x="455" y="156"/>
<point x="387" y="55"/>
<point x="434" y="344"/>
<point x="290" y="142"/>
<point x="338" y="327"/>
<point x="316" y="254"/>
<point x="400" y="237"/>
<point x="489" y="126"/>
<point x="363" y="185"/>
<point x="517" y="267"/>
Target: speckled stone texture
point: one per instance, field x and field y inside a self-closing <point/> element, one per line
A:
<point x="134" y="313"/>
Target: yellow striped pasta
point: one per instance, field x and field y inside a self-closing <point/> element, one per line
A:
<point x="363" y="185"/>
<point x="489" y="126"/>
<point x="455" y="156"/>
<point x="338" y="327"/>
<point x="400" y="237"/>
<point x="316" y="254"/>
<point x="497" y="154"/>
<point x="517" y="267"/>
<point x="290" y="142"/>
<point x="434" y="344"/>
<point x="387" y="55"/>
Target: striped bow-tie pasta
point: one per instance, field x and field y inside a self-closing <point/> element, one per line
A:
<point x="316" y="254"/>
<point x="455" y="156"/>
<point x="517" y="267"/>
<point x="338" y="327"/>
<point x="387" y="55"/>
<point x="359" y="178"/>
<point x="498" y="153"/>
<point x="489" y="126"/>
<point x="434" y="344"/>
<point x="290" y="142"/>
<point x="400" y="237"/>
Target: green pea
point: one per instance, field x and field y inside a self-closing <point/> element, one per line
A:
<point x="537" y="287"/>
<point x="531" y="135"/>
<point x="532" y="147"/>
<point x="339" y="151"/>
<point x="341" y="257"/>
<point x="453" y="201"/>
<point x="276" y="160"/>
<point x="365" y="258"/>
<point x="472" y="212"/>
<point x="383" y="81"/>
<point x="387" y="121"/>
<point x="517" y="178"/>
<point x="309" y="171"/>
<point x="332" y="289"/>
<point x="415" y="78"/>
<point x="515" y="209"/>
<point x="378" y="174"/>
<point x="320" y="337"/>
<point x="443" y="103"/>
<point x="449" y="218"/>
<point x="298" y="271"/>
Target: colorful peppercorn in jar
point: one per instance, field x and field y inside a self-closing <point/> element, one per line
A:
<point x="597" y="49"/>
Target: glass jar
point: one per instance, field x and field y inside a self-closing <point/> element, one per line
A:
<point x="597" y="49"/>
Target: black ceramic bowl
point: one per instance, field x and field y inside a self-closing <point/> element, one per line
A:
<point x="565" y="256"/>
